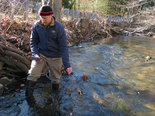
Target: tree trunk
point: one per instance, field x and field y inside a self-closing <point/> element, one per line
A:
<point x="71" y="6"/>
<point x="51" y="3"/>
<point x="57" y="6"/>
<point x="46" y="2"/>
<point x="26" y="6"/>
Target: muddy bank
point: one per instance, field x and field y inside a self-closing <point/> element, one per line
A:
<point x="85" y="30"/>
<point x="143" y="26"/>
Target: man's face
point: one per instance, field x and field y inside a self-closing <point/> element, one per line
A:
<point x="46" y="19"/>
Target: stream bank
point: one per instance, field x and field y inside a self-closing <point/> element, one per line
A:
<point x="142" y="26"/>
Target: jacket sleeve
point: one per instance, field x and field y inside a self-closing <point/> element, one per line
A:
<point x="34" y="40"/>
<point x="62" y="39"/>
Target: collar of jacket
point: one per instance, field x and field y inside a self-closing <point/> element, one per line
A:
<point x="52" y="23"/>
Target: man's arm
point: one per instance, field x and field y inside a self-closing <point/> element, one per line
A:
<point x="64" y="49"/>
<point x="34" y="39"/>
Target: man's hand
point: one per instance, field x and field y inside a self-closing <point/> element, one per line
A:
<point x="69" y="70"/>
<point x="37" y="58"/>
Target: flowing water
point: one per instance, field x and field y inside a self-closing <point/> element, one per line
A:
<point x="121" y="83"/>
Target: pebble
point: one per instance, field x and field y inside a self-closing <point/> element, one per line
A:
<point x="22" y="85"/>
<point x="147" y="58"/>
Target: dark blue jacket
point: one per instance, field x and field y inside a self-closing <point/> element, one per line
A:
<point x="51" y="41"/>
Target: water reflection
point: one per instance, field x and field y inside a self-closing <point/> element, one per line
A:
<point x="44" y="100"/>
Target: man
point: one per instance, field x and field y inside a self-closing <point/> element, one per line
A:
<point x="48" y="44"/>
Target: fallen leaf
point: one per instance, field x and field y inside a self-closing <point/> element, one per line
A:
<point x="69" y="93"/>
<point x="85" y="78"/>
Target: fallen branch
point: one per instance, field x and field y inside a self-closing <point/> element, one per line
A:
<point x="12" y="49"/>
<point x="18" y="57"/>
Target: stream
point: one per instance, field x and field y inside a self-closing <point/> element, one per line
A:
<point x="121" y="83"/>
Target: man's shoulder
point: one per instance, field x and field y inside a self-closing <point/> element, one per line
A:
<point x="36" y="23"/>
<point x="57" y="23"/>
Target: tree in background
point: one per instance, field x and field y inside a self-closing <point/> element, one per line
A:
<point x="12" y="4"/>
<point x="111" y="7"/>
<point x="68" y="3"/>
<point x="46" y="2"/>
<point x="107" y="7"/>
<point x="57" y="6"/>
<point x="26" y="7"/>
